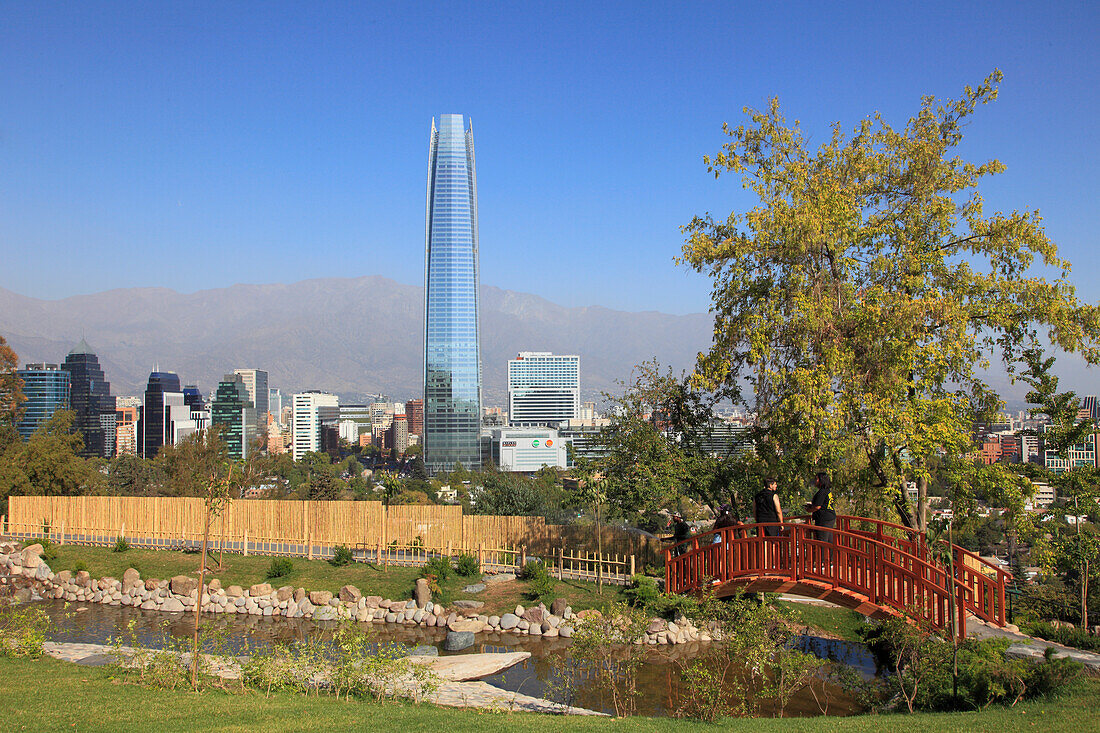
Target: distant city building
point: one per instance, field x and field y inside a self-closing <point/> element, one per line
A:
<point x="90" y="398"/>
<point x="381" y="415"/>
<point x="232" y="411"/>
<point x="588" y="411"/>
<point x="452" y="357"/>
<point x="255" y="381"/>
<point x="349" y="430"/>
<point x="178" y="418"/>
<point x="127" y="417"/>
<point x="398" y="435"/>
<point x="724" y="439"/>
<point x="312" y="411"/>
<point x="278" y="437"/>
<point x="1079" y="455"/>
<point x="583" y="438"/>
<point x="275" y="402"/>
<point x="46" y="389"/>
<point x="153" y="431"/>
<point x="543" y="388"/>
<point x="527" y="450"/>
<point x="414" y="411"/>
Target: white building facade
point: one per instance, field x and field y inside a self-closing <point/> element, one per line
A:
<point x="526" y="450"/>
<point x="543" y="388"/>
<point x="311" y="410"/>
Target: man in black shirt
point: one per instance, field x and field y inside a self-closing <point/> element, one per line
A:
<point x="821" y="507"/>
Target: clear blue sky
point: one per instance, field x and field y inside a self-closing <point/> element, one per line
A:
<point x="197" y="145"/>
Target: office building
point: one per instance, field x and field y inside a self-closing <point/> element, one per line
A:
<point x="543" y="388"/>
<point x="91" y="401"/>
<point x="233" y="413"/>
<point x="414" y="412"/>
<point x="275" y="402"/>
<point x="397" y="436"/>
<point x="46" y="388"/>
<point x="155" y="429"/>
<point x="126" y="425"/>
<point x="312" y="411"/>
<point x="452" y="358"/>
<point x="255" y="381"/>
<point x="526" y="450"/>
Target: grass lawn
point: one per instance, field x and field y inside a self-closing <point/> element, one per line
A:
<point x="48" y="695"/>
<point x="390" y="582"/>
<point x="830" y="621"/>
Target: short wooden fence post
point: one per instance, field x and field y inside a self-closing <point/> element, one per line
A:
<point x="244" y="547"/>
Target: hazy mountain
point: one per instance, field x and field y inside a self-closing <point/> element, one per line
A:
<point x="349" y="336"/>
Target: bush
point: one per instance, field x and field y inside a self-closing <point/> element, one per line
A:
<point x="1078" y="638"/>
<point x="49" y="551"/>
<point x="439" y="567"/>
<point x="533" y="569"/>
<point x="643" y="593"/>
<point x="79" y="565"/>
<point x="467" y="566"/>
<point x="540" y="584"/>
<point x="23" y="631"/>
<point x="121" y="545"/>
<point x="341" y="555"/>
<point x="280" y="567"/>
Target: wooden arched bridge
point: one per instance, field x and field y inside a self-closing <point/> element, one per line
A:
<point x="876" y="568"/>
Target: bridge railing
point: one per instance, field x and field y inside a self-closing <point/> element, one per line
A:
<point x="890" y="568"/>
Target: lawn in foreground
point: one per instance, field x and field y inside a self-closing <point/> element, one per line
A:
<point x="48" y="695"/>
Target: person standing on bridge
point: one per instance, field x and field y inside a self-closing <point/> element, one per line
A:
<point x="767" y="507"/>
<point x="821" y="507"/>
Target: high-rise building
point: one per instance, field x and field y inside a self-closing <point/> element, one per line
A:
<point x="312" y="411"/>
<point x="414" y="411"/>
<point x="255" y="381"/>
<point x="90" y="398"/>
<point x="397" y="437"/>
<point x="46" y="387"/>
<point x="452" y="357"/>
<point x="154" y="431"/>
<point x="543" y="388"/>
<point x="275" y="402"/>
<point x="232" y="411"/>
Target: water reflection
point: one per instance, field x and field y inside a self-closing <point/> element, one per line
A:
<point x="658" y="678"/>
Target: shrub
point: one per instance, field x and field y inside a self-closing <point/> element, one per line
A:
<point x="79" y="565"/>
<point x="467" y="566"/>
<point x="49" y="551"/>
<point x="533" y="569"/>
<point x="643" y="593"/>
<point x="121" y="545"/>
<point x="23" y="631"/>
<point x="1078" y="638"/>
<point x="440" y="567"/>
<point x="540" y="584"/>
<point x="280" y="567"/>
<point x="341" y="555"/>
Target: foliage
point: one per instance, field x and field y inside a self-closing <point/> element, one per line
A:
<point x="48" y="463"/>
<point x="23" y="631"/>
<point x="341" y="555"/>
<point x="467" y="566"/>
<point x="11" y="387"/>
<point x="121" y="545"/>
<point x="857" y="304"/>
<point x="1077" y="638"/>
<point x="440" y="567"/>
<point x="643" y="592"/>
<point x="540" y="583"/>
<point x="511" y="494"/>
<point x="165" y="665"/>
<point x="533" y="569"/>
<point x="280" y="567"/>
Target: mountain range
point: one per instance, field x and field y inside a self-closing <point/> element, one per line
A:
<point x="352" y="336"/>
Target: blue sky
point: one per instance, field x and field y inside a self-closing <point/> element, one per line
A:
<point x="195" y="145"/>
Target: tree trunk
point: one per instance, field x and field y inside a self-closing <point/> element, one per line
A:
<point x="922" y="503"/>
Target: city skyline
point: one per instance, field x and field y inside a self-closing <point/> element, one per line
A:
<point x="109" y="166"/>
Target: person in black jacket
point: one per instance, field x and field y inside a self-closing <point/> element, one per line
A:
<point x="767" y="507"/>
<point x="821" y="507"/>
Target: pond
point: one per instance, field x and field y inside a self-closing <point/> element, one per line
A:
<point x="658" y="680"/>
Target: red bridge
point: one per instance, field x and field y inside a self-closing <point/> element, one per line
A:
<point x="876" y="568"/>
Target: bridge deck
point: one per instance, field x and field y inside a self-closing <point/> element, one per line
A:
<point x="878" y="568"/>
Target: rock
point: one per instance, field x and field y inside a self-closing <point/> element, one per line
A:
<point x="391" y="617"/>
<point x="320" y="597"/>
<point x="183" y="585"/>
<point x="498" y="578"/>
<point x="509" y="621"/>
<point x="423" y="650"/>
<point x="549" y="633"/>
<point x="474" y="589"/>
<point x="172" y="605"/>
<point x="260" y="589"/>
<point x="558" y="607"/>
<point x="591" y="613"/>
<point x="299" y="594"/>
<point x="29" y="557"/>
<point x="441" y="621"/>
<point x="421" y="594"/>
<point x="655" y="625"/>
<point x="428" y="607"/>
<point x="418" y="616"/>
<point x="148" y="606"/>
<point x="42" y="572"/>
<point x="324" y="613"/>
<point x="374" y="601"/>
<point x="494" y="621"/>
<point x="468" y="604"/>
<point x="285" y="593"/>
<point x="350" y="594"/>
<point x="130" y="578"/>
<point x="429" y="619"/>
<point x="472" y="625"/>
<point x="305" y="607"/>
<point x="520" y="610"/>
<point x="534" y="615"/>
<point x="214" y="585"/>
<point x="456" y="641"/>
<point x="83" y="578"/>
<point x="523" y="624"/>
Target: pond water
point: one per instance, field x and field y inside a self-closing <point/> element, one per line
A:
<point x="658" y="679"/>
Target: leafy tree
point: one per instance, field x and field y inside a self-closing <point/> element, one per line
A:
<point x="857" y="302"/>
<point x="49" y="463"/>
<point x="11" y="387"/>
<point x="134" y="476"/>
<point x="188" y="465"/>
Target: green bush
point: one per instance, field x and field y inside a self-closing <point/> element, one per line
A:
<point x="533" y="569"/>
<point x="467" y="566"/>
<point x="438" y="567"/>
<point x="121" y="545"/>
<point x="79" y="565"/>
<point x="280" y="567"/>
<point x="23" y="631"/>
<point x="1078" y="638"/>
<point x="643" y="593"/>
<point x="49" y="551"/>
<point x="341" y="555"/>
<point x="540" y="584"/>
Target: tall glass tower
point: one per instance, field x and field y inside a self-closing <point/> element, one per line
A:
<point x="90" y="397"/>
<point x="452" y="355"/>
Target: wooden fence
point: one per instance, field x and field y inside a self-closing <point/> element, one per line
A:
<point x="314" y="528"/>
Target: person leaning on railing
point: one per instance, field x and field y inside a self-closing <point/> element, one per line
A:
<point x="821" y="507"/>
<point x="767" y="507"/>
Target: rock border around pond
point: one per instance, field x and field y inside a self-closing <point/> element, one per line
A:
<point x="180" y="594"/>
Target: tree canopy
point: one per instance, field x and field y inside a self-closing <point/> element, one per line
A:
<point x="857" y="304"/>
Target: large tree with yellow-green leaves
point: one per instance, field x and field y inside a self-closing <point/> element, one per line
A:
<point x="856" y="305"/>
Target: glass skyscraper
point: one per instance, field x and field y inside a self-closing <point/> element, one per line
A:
<point x="90" y="397"/>
<point x="46" y="387"/>
<point x="452" y="358"/>
<point x="153" y="425"/>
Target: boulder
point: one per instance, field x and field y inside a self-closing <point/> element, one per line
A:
<point x="591" y="613"/>
<point x="474" y="589"/>
<point x="260" y="589"/>
<point x="172" y="605"/>
<point x="509" y="621"/>
<point x="350" y="594"/>
<point x="655" y="625"/>
<point x="30" y="556"/>
<point x="65" y="576"/>
<point x="214" y="585"/>
<point x="534" y="615"/>
<point x="471" y="625"/>
<point x="520" y="610"/>
<point x="421" y="594"/>
<point x="494" y="622"/>
<point x="558" y="607"/>
<point x="183" y="585"/>
<point x="456" y="641"/>
<point x="498" y="578"/>
<point x="234" y="591"/>
<point x="83" y="578"/>
<point x="285" y="593"/>
<point x="151" y="583"/>
<point x="320" y="597"/>
<point x="299" y="595"/>
<point x="42" y="572"/>
<point x="374" y="601"/>
<point x="468" y="604"/>
<point x="305" y="608"/>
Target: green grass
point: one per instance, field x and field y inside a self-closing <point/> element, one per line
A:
<point x="390" y="582"/>
<point x="48" y="695"/>
<point x="830" y="621"/>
